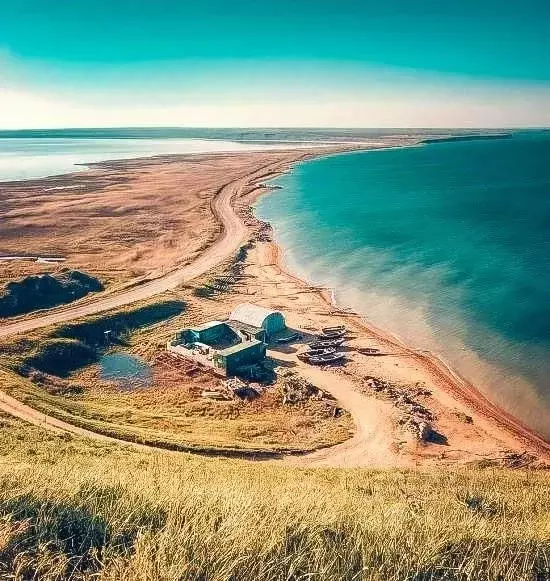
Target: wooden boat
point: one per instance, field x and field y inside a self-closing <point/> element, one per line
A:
<point x="316" y="352"/>
<point x="326" y="358"/>
<point x="336" y="329"/>
<point x="289" y="338"/>
<point x="368" y="351"/>
<point x="333" y="334"/>
<point x="324" y="343"/>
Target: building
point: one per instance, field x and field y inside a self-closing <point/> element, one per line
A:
<point x="229" y="345"/>
<point x="219" y="345"/>
<point x="256" y="319"/>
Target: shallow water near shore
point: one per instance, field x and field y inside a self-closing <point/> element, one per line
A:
<point x="444" y="245"/>
<point x="35" y="157"/>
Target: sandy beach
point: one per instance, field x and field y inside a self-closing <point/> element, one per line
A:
<point x="151" y="226"/>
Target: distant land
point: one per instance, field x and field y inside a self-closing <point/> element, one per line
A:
<point x="247" y="134"/>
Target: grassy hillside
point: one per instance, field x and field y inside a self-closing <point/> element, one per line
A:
<point x="82" y="510"/>
<point x="55" y="371"/>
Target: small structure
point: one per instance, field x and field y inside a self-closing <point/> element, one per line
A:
<point x="229" y="345"/>
<point x="217" y="344"/>
<point x="256" y="319"/>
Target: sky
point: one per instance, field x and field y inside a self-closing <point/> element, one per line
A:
<point x="284" y="63"/>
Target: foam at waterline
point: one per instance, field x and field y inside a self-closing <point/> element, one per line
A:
<point x="416" y="291"/>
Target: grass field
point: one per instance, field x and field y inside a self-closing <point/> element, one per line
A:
<point x="171" y="419"/>
<point x="171" y="412"/>
<point x="83" y="510"/>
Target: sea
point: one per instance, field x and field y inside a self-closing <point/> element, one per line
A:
<point x="445" y="245"/>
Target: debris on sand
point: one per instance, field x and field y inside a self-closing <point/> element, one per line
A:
<point x="233" y="388"/>
<point x="463" y="417"/>
<point x="415" y="417"/>
<point x="296" y="389"/>
<point x="216" y="394"/>
<point x="238" y="388"/>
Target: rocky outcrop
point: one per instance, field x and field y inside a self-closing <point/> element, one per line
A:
<point x="45" y="290"/>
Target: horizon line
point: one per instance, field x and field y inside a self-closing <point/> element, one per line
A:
<point x="279" y="127"/>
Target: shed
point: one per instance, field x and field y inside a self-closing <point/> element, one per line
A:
<point x="230" y="359"/>
<point x="255" y="316"/>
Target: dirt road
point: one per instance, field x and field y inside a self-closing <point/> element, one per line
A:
<point x="371" y="445"/>
<point x="367" y="447"/>
<point x="233" y="235"/>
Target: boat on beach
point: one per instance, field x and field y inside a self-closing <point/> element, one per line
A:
<point x="325" y="358"/>
<point x="307" y="355"/>
<point x="323" y="343"/>
<point x="288" y="338"/>
<point x="333" y="333"/>
<point x="315" y="352"/>
<point x="368" y="351"/>
<point x="335" y="329"/>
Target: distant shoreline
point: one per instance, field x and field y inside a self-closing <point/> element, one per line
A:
<point x="468" y="138"/>
<point x="81" y="148"/>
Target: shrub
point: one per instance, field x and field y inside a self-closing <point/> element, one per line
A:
<point x="61" y="356"/>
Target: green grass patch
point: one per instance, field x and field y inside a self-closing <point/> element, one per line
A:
<point x="61" y="356"/>
<point x="43" y="291"/>
<point x="66" y="348"/>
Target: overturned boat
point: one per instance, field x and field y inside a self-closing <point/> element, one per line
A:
<point x="333" y="334"/>
<point x="325" y="358"/>
<point x="336" y="329"/>
<point x="324" y="343"/>
<point x="317" y="352"/>
<point x="288" y="338"/>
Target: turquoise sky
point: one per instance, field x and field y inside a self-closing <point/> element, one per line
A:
<point x="368" y="63"/>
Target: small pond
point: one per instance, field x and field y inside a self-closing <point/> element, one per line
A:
<point x="127" y="371"/>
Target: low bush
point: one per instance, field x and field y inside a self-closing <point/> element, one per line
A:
<point x="61" y="356"/>
<point x="46" y="290"/>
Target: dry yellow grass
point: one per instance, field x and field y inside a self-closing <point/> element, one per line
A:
<point x="83" y="510"/>
<point x="171" y="418"/>
<point x="121" y="219"/>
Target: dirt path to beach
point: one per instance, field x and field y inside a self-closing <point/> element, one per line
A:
<point x="374" y="443"/>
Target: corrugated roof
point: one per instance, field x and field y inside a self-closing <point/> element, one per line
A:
<point x="250" y="314"/>
<point x="238" y="347"/>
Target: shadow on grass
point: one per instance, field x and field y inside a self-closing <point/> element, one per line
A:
<point x="80" y="529"/>
<point x="71" y="347"/>
<point x="92" y="332"/>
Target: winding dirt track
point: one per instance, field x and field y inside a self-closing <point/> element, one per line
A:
<point x="356" y="451"/>
<point x="369" y="446"/>
<point x="22" y="411"/>
<point x="233" y="235"/>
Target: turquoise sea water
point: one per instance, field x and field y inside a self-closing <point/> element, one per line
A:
<point x="446" y="245"/>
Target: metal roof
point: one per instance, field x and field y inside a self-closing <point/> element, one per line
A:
<point x="251" y="314"/>
<point x="238" y="347"/>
